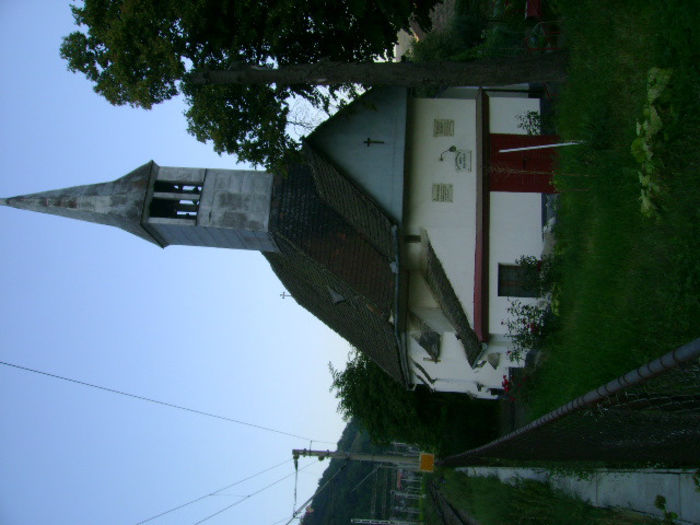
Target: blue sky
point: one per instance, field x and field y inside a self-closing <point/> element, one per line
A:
<point x="199" y="327"/>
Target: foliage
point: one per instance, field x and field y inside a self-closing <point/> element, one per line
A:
<point x="142" y="52"/>
<point x="528" y="324"/>
<point x="538" y="275"/>
<point x="648" y="140"/>
<point x="479" y="30"/>
<point x="368" y="394"/>
<point x="465" y="30"/>
<point x="669" y="516"/>
<point x="445" y="423"/>
<point x="503" y="35"/>
<point x="500" y="40"/>
<point x="530" y="122"/>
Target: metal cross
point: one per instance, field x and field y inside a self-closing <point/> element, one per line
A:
<point x="369" y="142"/>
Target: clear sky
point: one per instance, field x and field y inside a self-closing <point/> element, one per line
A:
<point x="200" y="327"/>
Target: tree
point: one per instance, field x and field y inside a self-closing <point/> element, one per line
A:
<point x="446" y="423"/>
<point x="142" y="52"/>
<point x="492" y="71"/>
<point x="138" y="52"/>
<point x="381" y="405"/>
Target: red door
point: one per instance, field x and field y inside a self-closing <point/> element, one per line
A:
<point x="526" y="171"/>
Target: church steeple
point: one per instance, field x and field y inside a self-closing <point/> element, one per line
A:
<point x="118" y="203"/>
<point x="163" y="205"/>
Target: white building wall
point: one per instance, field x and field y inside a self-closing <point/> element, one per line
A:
<point x="515" y="218"/>
<point x="452" y="373"/>
<point x="516" y="229"/>
<point x="450" y="226"/>
<point x="451" y="229"/>
<point x="504" y="111"/>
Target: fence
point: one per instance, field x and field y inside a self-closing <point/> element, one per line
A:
<point x="651" y="414"/>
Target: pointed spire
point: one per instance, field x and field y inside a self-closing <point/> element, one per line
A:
<point x="118" y="203"/>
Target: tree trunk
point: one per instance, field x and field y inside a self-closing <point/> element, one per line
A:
<point x="489" y="72"/>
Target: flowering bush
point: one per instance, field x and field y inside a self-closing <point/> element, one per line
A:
<point x="527" y="324"/>
<point x="511" y="387"/>
<point x="507" y="386"/>
<point x="537" y="274"/>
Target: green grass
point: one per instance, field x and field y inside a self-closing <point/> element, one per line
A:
<point x="491" y="502"/>
<point x="629" y="286"/>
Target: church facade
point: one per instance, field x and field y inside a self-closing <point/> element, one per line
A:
<point x="399" y="230"/>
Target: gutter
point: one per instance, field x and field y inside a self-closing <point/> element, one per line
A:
<point x="399" y="332"/>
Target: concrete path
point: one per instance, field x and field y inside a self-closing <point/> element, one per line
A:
<point x="629" y="489"/>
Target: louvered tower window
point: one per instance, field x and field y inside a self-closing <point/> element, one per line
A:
<point x="174" y="200"/>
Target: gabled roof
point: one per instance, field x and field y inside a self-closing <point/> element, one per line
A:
<point x="366" y="142"/>
<point x="335" y="304"/>
<point x="351" y="203"/>
<point x="337" y="257"/>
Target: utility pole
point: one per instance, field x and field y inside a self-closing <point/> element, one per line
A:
<point x="423" y="462"/>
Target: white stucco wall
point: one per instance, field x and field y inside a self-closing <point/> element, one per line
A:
<point x="515" y="218"/>
<point x="452" y="373"/>
<point x="504" y="110"/>
<point x="450" y="226"/>
<point x="516" y="229"/>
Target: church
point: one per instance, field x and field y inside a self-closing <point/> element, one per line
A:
<point x="399" y="230"/>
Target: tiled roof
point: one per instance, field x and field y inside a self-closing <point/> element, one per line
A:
<point x="330" y="260"/>
<point x="355" y="207"/>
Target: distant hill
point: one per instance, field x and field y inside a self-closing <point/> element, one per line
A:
<point x="348" y="496"/>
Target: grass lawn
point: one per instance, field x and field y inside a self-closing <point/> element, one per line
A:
<point x="629" y="285"/>
<point x="491" y="502"/>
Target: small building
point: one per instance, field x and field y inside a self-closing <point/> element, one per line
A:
<point x="399" y="230"/>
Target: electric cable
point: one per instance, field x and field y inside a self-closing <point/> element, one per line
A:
<point x="251" y="495"/>
<point x="157" y="402"/>
<point x="318" y="490"/>
<point x="212" y="493"/>
<point x="365" y="478"/>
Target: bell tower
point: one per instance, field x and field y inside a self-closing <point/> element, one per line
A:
<point x="165" y="205"/>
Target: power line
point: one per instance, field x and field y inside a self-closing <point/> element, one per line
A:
<point x="251" y="495"/>
<point x="157" y="402"/>
<point x="216" y="492"/>
<point x="318" y="490"/>
<point x="365" y="478"/>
